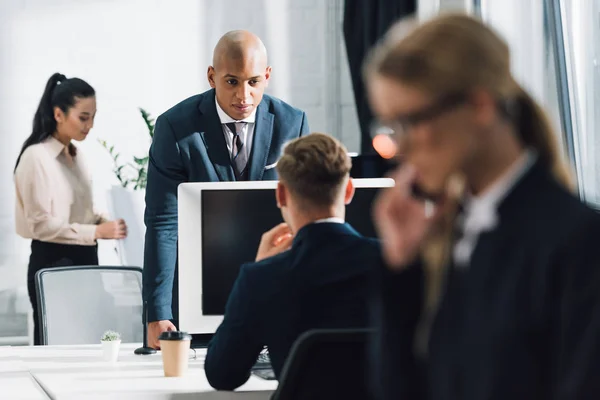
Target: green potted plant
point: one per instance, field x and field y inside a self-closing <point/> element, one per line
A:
<point x="131" y="174"/>
<point x="126" y="200"/>
<point x="111" y="342"/>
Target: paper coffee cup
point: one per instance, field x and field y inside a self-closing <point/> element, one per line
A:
<point x="175" y="348"/>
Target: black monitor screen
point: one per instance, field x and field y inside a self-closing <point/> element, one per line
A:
<point x="371" y="166"/>
<point x="233" y="222"/>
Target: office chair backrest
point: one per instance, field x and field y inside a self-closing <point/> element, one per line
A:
<point x="326" y="364"/>
<point x="78" y="304"/>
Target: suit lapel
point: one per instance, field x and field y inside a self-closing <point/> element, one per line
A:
<point x="212" y="136"/>
<point x="494" y="249"/>
<point x="263" y="133"/>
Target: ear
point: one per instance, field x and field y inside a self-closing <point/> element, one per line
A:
<point x="210" y="75"/>
<point x="281" y="195"/>
<point x="268" y="75"/>
<point x="349" y="193"/>
<point x="59" y="115"/>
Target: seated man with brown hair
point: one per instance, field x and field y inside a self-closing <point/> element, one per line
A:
<point x="310" y="272"/>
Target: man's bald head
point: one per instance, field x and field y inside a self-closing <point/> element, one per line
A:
<point x="239" y="73"/>
<point x="238" y="46"/>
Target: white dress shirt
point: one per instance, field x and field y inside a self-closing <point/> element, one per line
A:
<point x="54" y="196"/>
<point x="247" y="134"/>
<point x="480" y="213"/>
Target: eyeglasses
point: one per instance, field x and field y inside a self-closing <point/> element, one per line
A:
<point x="402" y="124"/>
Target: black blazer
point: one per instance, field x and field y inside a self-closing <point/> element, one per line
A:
<point x="523" y="321"/>
<point x="189" y="146"/>
<point x="321" y="282"/>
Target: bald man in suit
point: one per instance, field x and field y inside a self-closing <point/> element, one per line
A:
<point x="232" y="132"/>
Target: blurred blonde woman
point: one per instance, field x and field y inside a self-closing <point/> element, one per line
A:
<point x="510" y="256"/>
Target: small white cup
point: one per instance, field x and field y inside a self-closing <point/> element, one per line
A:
<point x="110" y="350"/>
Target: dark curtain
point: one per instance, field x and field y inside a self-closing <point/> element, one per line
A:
<point x="365" y="21"/>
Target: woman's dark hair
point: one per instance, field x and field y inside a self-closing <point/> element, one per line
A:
<point x="62" y="93"/>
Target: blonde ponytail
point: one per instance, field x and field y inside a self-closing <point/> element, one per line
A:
<point x="535" y="132"/>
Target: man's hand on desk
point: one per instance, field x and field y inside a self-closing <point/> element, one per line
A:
<point x="155" y="329"/>
<point x="275" y="241"/>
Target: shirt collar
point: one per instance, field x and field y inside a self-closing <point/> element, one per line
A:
<point x="492" y="197"/>
<point x="332" y="220"/>
<point x="226" y="119"/>
<point x="54" y="146"/>
<point x="481" y="212"/>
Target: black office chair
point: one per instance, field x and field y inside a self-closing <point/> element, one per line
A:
<point x="326" y="364"/>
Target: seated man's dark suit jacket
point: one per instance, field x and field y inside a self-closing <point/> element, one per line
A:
<point x="189" y="146"/>
<point x="321" y="282"/>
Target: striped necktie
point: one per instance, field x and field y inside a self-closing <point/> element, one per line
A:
<point x="239" y="155"/>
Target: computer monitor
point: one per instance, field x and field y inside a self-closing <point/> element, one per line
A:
<point x="371" y="166"/>
<point x="220" y="226"/>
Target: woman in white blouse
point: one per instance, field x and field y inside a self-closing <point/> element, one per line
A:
<point x="54" y="204"/>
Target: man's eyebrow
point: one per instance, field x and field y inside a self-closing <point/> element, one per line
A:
<point x="250" y="79"/>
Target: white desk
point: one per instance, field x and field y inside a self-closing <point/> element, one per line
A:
<point x="15" y="380"/>
<point x="78" y="372"/>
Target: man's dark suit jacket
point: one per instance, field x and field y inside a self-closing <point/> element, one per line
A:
<point x="522" y="321"/>
<point x="321" y="282"/>
<point x="189" y="146"/>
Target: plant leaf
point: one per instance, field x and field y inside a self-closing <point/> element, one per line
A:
<point x="149" y="122"/>
<point x="141" y="161"/>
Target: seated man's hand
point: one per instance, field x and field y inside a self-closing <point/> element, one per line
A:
<point x="275" y="241"/>
<point x="155" y="329"/>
